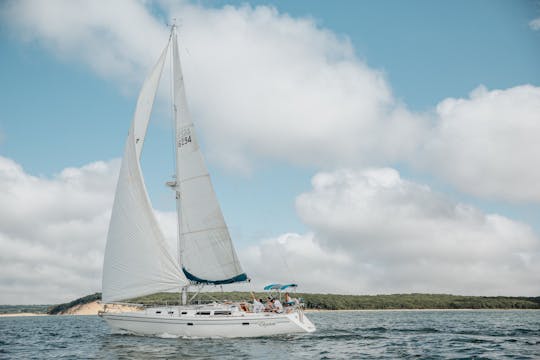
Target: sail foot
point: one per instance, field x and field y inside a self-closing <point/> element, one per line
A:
<point x="238" y="278"/>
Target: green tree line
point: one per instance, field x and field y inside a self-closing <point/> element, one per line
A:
<point x="342" y="302"/>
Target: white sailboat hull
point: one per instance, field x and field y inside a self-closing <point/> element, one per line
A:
<point x="240" y="324"/>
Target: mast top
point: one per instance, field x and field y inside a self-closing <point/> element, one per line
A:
<point x="174" y="26"/>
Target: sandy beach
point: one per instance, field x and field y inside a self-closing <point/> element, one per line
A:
<point x="23" y="314"/>
<point x="91" y="308"/>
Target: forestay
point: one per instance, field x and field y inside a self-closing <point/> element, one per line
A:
<point x="207" y="254"/>
<point x="137" y="261"/>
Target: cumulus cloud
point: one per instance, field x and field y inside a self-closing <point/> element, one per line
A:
<point x="487" y="144"/>
<point x="535" y="24"/>
<point x="270" y="86"/>
<point x="261" y="83"/>
<point x="284" y="88"/>
<point x="370" y="232"/>
<point x="120" y="41"/>
<point x="52" y="231"/>
<point x="374" y="232"/>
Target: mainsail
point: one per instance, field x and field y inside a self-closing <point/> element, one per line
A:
<point x="137" y="261"/>
<point x="207" y="254"/>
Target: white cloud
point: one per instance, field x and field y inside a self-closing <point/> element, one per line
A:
<point x="535" y="24"/>
<point x="487" y="145"/>
<point x="299" y="259"/>
<point x="265" y="85"/>
<point x="118" y="40"/>
<point x="52" y="231"/>
<point x="273" y="86"/>
<point x="261" y="83"/>
<point x="374" y="232"/>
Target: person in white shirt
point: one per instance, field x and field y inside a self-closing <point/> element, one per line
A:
<point x="258" y="306"/>
<point x="277" y="305"/>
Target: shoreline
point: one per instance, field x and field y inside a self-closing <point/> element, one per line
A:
<point x="23" y="314"/>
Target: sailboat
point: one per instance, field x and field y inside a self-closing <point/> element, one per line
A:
<point x="137" y="259"/>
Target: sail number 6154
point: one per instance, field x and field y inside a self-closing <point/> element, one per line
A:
<point x="184" y="140"/>
<point x="185" y="137"/>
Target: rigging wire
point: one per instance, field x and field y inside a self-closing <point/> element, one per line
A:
<point x="281" y="252"/>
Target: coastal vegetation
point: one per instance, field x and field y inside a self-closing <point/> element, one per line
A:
<point x="369" y="302"/>
<point x="345" y="302"/>
<point x="316" y="301"/>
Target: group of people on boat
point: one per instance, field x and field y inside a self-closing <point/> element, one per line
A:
<point x="272" y="304"/>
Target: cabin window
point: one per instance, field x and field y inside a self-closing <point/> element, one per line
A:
<point x="246" y="323"/>
<point x="171" y="312"/>
<point x="190" y="324"/>
<point x="202" y="313"/>
<point x="222" y="313"/>
<point x="158" y="312"/>
<point x="184" y="312"/>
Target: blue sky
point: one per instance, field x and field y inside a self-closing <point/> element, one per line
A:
<point x="56" y="111"/>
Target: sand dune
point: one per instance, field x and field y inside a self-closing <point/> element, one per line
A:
<point x="92" y="308"/>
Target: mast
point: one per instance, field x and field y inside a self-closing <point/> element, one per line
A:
<point x="176" y="103"/>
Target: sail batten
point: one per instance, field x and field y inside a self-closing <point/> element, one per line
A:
<point x="207" y="254"/>
<point x="137" y="260"/>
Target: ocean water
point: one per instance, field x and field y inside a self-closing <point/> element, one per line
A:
<point x="340" y="335"/>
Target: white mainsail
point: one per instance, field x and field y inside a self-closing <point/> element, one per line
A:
<point x="207" y="254"/>
<point x="137" y="260"/>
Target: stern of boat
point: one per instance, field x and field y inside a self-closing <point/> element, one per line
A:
<point x="299" y="318"/>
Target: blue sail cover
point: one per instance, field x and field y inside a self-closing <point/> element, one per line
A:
<point x="279" y="286"/>
<point x="283" y="287"/>
<point x="193" y="278"/>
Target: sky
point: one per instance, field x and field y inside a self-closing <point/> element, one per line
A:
<point x="355" y="147"/>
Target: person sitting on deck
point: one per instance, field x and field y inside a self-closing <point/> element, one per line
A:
<point x="287" y="298"/>
<point x="289" y="301"/>
<point x="269" y="305"/>
<point x="257" y="304"/>
<point x="277" y="305"/>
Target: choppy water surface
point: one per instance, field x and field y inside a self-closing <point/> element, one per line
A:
<point x="340" y="335"/>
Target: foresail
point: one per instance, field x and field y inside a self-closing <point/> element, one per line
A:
<point x="207" y="254"/>
<point x="137" y="261"/>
